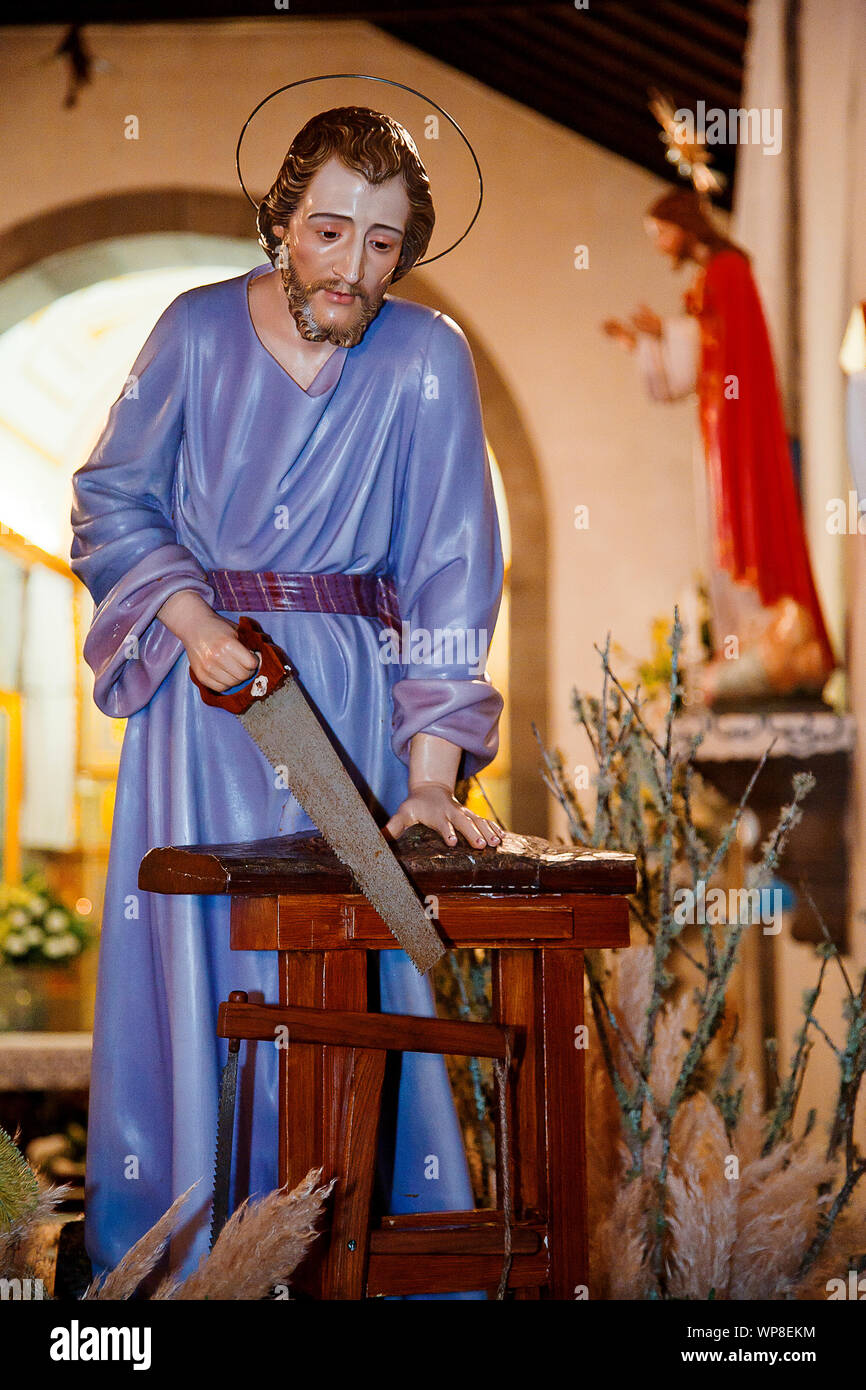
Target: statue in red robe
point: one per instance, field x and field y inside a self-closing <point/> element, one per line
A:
<point x="769" y="632"/>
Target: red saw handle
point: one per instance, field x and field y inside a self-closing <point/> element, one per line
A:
<point x="273" y="670"/>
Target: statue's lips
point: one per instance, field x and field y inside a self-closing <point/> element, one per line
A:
<point x="337" y="298"/>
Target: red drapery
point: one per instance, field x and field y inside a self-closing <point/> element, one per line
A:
<point x="760" y="540"/>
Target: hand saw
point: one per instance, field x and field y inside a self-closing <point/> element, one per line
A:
<point x="278" y="717"/>
<point x="225" y="1132"/>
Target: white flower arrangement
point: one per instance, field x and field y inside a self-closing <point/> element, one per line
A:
<point x="58" y="947"/>
<point x="56" y="919"/>
<point x="36" y="928"/>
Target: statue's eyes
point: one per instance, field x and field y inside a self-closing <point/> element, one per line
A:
<point x="330" y="234"/>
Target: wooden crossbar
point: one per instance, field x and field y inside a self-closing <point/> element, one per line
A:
<point x="386" y="1032"/>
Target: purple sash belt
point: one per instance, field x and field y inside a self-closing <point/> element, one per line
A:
<point x="263" y="591"/>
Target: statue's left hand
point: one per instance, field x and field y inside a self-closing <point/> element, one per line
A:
<point x="645" y="320"/>
<point x="433" y="804"/>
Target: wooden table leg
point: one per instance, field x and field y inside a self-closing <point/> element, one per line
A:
<point x="315" y="1082"/>
<point x="346" y="1275"/>
<point x="517" y="1002"/>
<point x="300" y="1072"/>
<point x="562" y="988"/>
<point x="344" y="987"/>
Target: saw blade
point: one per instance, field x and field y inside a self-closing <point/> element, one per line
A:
<point x="291" y="736"/>
<point x="224" y="1143"/>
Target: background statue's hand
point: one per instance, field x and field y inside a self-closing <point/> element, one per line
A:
<point x="645" y="320"/>
<point x="615" y="328"/>
<point x="432" y="804"/>
<point x="216" y="657"/>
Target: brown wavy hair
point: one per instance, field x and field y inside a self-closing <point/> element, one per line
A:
<point x="370" y="143"/>
<point x="687" y="209"/>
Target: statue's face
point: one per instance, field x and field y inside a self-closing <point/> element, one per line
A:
<point x="668" y="239"/>
<point x="341" y="248"/>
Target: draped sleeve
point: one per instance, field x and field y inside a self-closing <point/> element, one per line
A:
<point x="669" y="364"/>
<point x="125" y="548"/>
<point x="446" y="558"/>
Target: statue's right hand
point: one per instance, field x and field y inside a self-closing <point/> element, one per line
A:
<point x="216" y="657"/>
<point x="646" y="320"/>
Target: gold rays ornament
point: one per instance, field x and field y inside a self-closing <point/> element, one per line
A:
<point x="684" y="149"/>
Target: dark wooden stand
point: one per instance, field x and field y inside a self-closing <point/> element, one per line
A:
<point x="537" y="907"/>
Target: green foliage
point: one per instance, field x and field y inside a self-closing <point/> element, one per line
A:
<point x="645" y="782"/>
<point x="19" y="1189"/>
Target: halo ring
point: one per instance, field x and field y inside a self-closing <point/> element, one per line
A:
<point x="367" y="77"/>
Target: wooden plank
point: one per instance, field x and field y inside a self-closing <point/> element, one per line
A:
<point x="341" y="1028"/>
<point x="439" y="1220"/>
<point x="254" y="924"/>
<point x="302" y="863"/>
<point x="331" y="923"/>
<point x="474" y="1239"/>
<point x="350" y="1227"/>
<point x="600" y="921"/>
<point x="407" y="1274"/>
<point x="495" y="921"/>
<point x="564" y="1121"/>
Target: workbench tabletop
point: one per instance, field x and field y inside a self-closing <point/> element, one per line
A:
<point x="305" y="863"/>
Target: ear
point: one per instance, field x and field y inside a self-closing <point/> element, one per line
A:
<point x="279" y="231"/>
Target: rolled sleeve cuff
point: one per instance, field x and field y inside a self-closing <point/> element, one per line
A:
<point x="465" y="712"/>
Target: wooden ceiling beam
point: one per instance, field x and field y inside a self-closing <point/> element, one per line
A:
<point x="611" y="79"/>
<point x="622" y="85"/>
<point x="569" y="106"/>
<point x="589" y="115"/>
<point x="736" y="10"/>
<point x="480" y="51"/>
<point x="633" y="82"/>
<point x="84" y="12"/>
<point x="566" y="40"/>
<point x="661" y="70"/>
<point x="500" y="68"/>
<point x="688" y="20"/>
<point x="693" y="53"/>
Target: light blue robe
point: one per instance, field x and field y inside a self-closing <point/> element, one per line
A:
<point x="214" y="458"/>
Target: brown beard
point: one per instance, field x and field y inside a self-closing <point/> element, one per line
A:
<point x="299" y="296"/>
